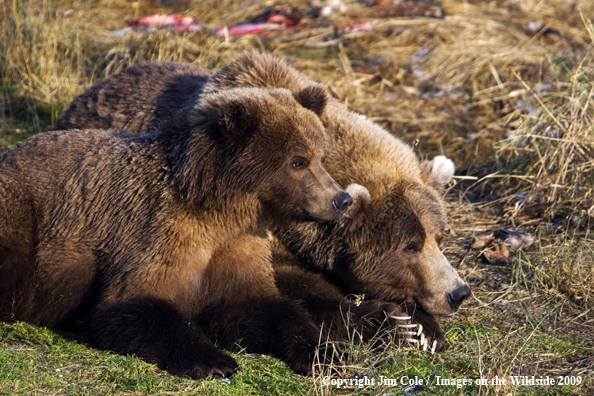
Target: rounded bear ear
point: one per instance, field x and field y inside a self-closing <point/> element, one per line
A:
<point x="313" y="98"/>
<point x="438" y="172"/>
<point x="361" y="199"/>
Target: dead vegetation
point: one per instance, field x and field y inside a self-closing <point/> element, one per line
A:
<point x="503" y="87"/>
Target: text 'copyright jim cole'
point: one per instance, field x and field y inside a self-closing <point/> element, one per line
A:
<point x="514" y="380"/>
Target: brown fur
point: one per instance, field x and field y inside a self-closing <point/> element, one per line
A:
<point x="107" y="106"/>
<point x="145" y="236"/>
<point x="388" y="245"/>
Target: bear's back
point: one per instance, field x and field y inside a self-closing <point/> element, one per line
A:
<point x="77" y="161"/>
<point x="138" y="99"/>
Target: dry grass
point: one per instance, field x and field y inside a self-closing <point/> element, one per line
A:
<point x="512" y="106"/>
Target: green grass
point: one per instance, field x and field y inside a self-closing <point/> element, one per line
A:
<point x="35" y="360"/>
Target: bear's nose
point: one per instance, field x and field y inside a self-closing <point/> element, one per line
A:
<point x="456" y="297"/>
<point x="342" y="201"/>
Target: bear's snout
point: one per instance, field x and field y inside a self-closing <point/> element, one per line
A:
<point x="321" y="198"/>
<point x="341" y="202"/>
<point x="456" y="297"/>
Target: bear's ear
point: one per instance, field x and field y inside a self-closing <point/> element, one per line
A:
<point x="238" y="120"/>
<point x="361" y="199"/>
<point x="438" y="172"/>
<point x="313" y="98"/>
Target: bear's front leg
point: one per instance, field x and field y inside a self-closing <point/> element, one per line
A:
<point x="369" y="317"/>
<point x="276" y="326"/>
<point x="155" y="331"/>
<point x="238" y="301"/>
<point x="340" y="317"/>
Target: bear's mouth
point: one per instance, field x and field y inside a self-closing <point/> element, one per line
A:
<point x="428" y="312"/>
<point x="308" y="217"/>
<point x="338" y="213"/>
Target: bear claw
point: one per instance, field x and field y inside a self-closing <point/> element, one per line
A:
<point x="415" y="335"/>
<point x="424" y="343"/>
<point x="401" y="317"/>
<point x="212" y="363"/>
<point x="217" y="372"/>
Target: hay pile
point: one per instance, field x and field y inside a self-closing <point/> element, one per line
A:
<point x="501" y="87"/>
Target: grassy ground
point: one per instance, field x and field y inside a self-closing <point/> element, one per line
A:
<point x="510" y="103"/>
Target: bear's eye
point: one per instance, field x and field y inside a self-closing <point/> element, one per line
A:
<point x="412" y="248"/>
<point x="299" y="163"/>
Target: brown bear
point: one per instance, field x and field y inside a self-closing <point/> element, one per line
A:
<point x="149" y="238"/>
<point x="387" y="247"/>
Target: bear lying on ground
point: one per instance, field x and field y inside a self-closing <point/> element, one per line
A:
<point x="152" y="239"/>
<point x="387" y="247"/>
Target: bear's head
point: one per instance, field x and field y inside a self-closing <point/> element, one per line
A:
<point x="265" y="142"/>
<point x="406" y="263"/>
<point x="388" y="247"/>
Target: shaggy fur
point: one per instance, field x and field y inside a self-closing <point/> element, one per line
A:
<point x="106" y="106"/>
<point x="159" y="241"/>
<point x="387" y="247"/>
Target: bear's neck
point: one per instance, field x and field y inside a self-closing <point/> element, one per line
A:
<point x="320" y="246"/>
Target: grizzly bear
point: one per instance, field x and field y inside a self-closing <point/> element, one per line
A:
<point x="388" y="245"/>
<point x="152" y="239"/>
